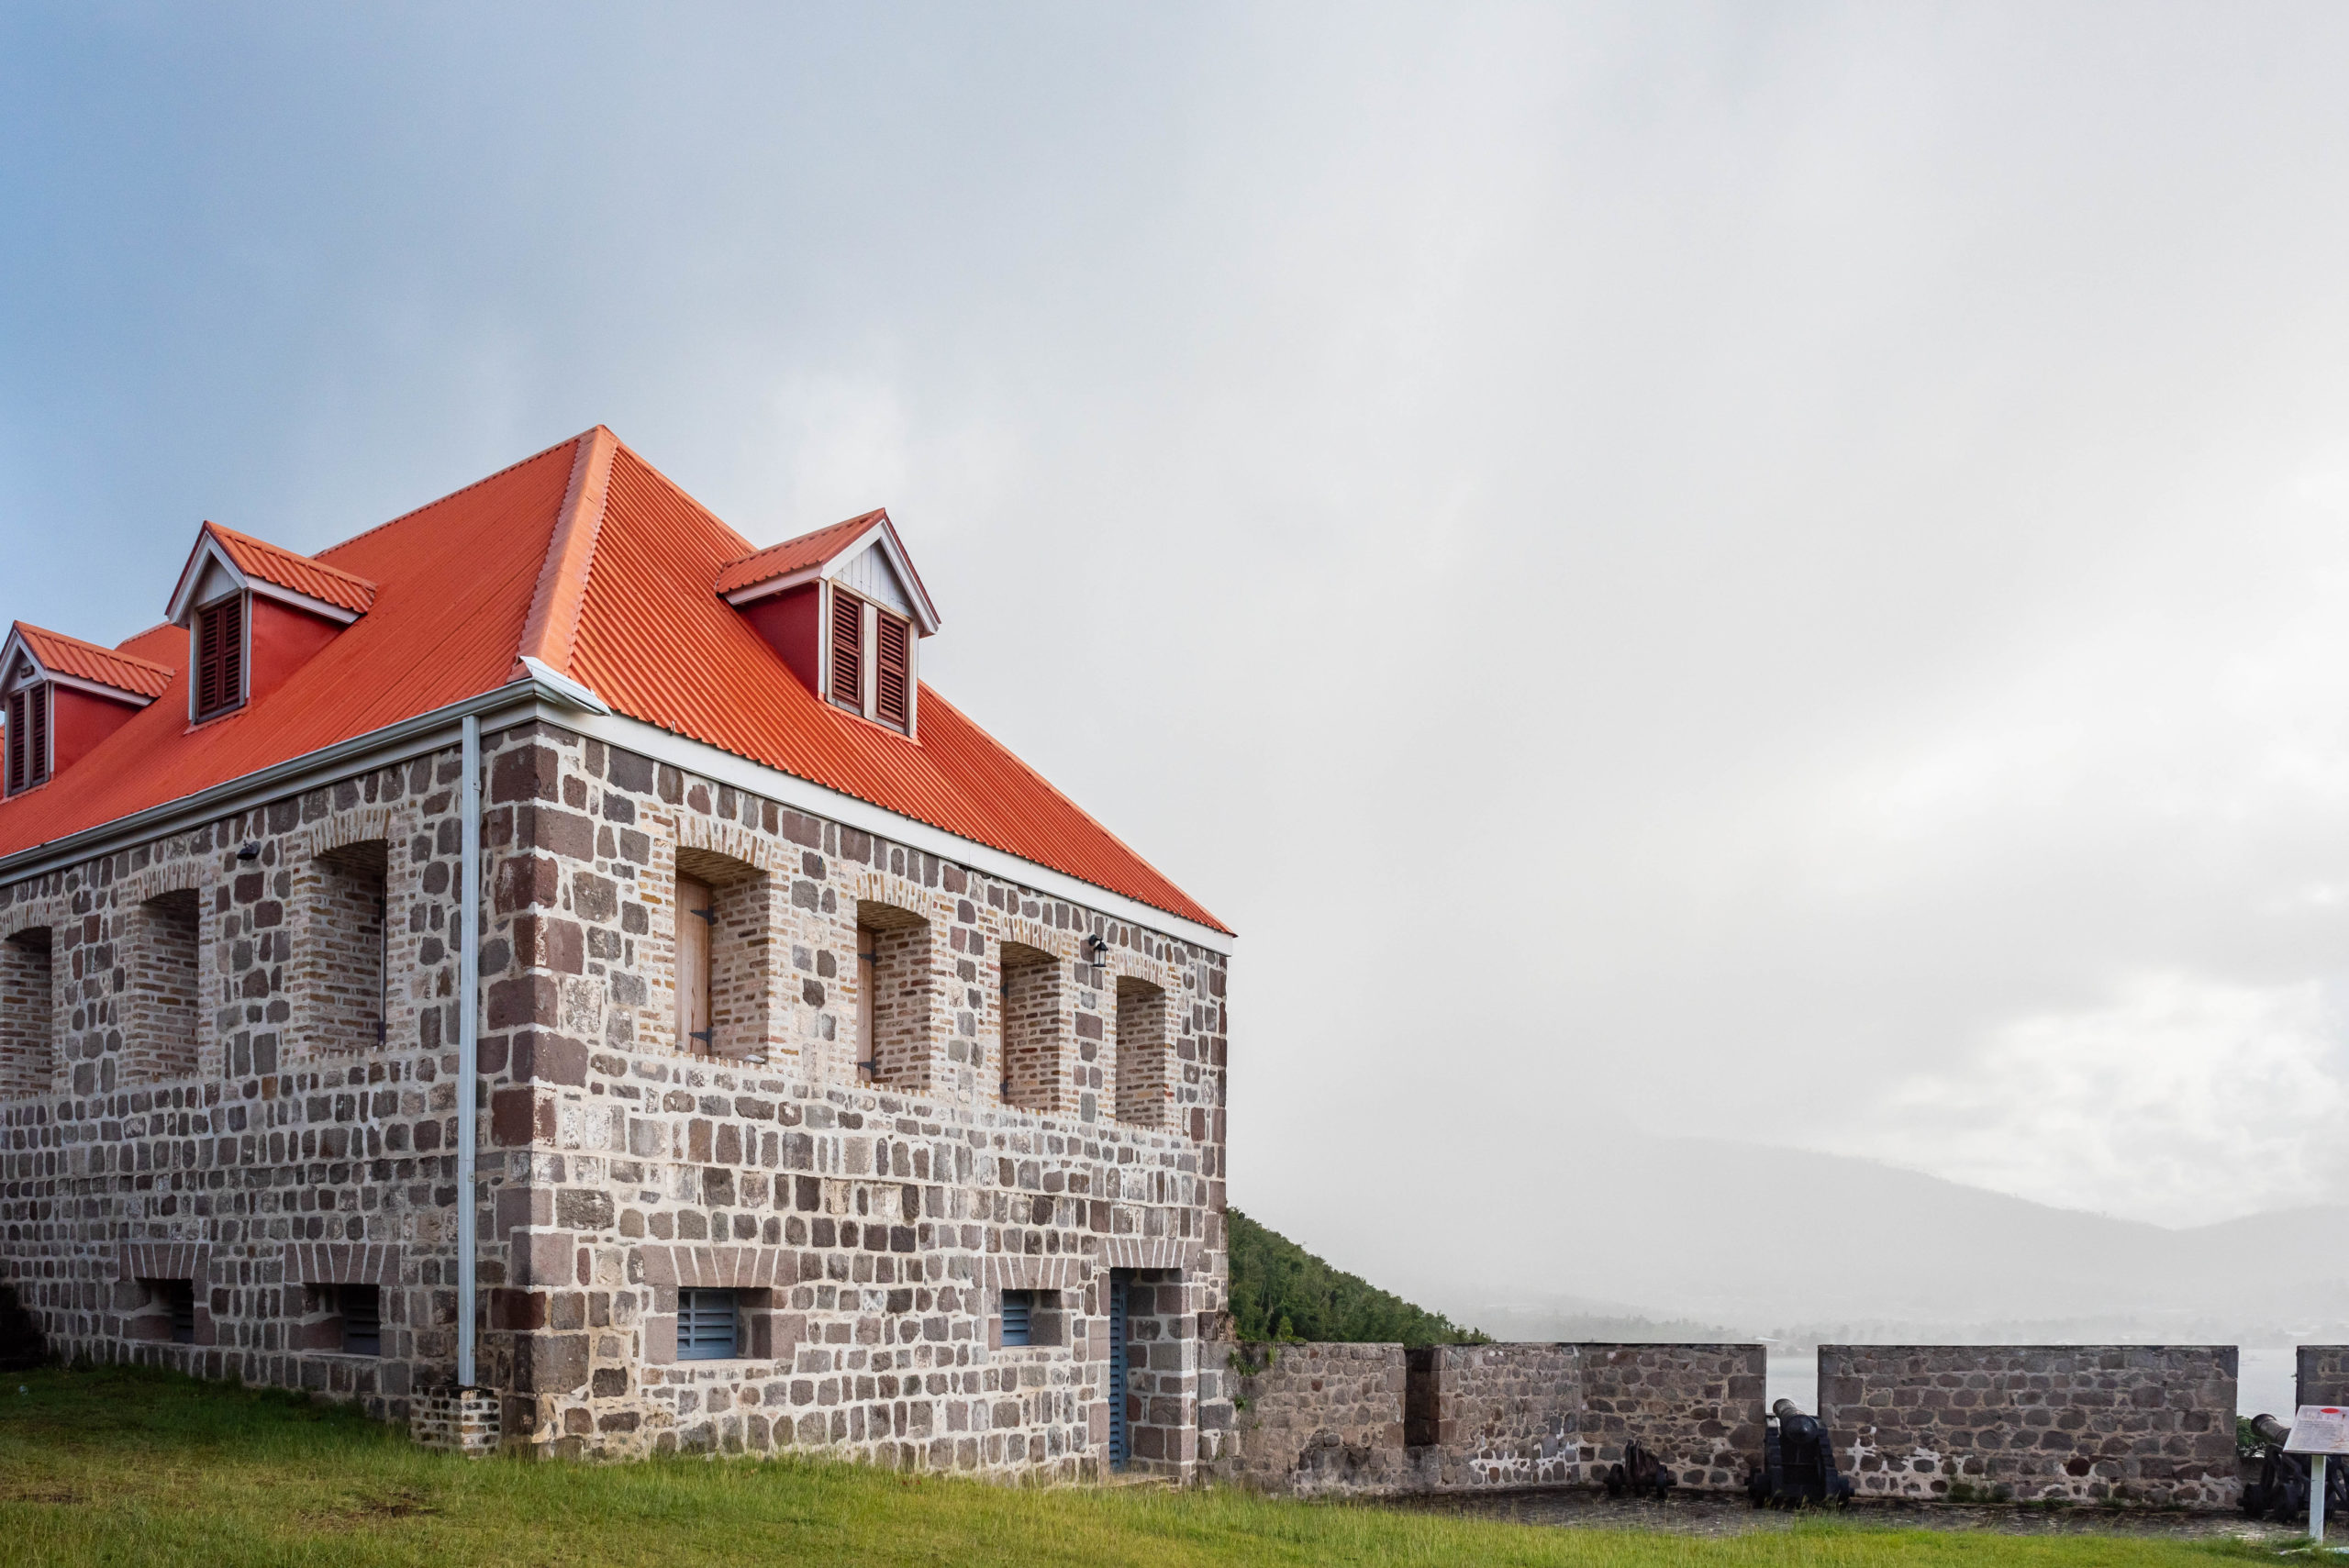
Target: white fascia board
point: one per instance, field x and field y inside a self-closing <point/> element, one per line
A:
<point x="884" y="535"/>
<point x="15" y="644"/>
<point x="724" y="767"/>
<point x="284" y="595"/>
<point x="767" y="588"/>
<point x="208" y="549"/>
<point x="96" y="689"/>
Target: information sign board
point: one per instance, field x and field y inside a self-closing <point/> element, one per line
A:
<point x="2319" y="1429"/>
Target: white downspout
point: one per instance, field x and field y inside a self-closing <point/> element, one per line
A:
<point x="468" y="1043"/>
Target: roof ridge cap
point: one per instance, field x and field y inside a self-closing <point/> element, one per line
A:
<point x="460" y="490"/>
<point x="690" y="499"/>
<point x="550" y="632"/>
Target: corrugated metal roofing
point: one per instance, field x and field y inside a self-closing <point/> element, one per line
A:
<point x="301" y="573"/>
<point x="657" y="644"/>
<point x="453" y="586"/>
<point x="63" y="655"/>
<point x="454" y="581"/>
<point x="793" y="554"/>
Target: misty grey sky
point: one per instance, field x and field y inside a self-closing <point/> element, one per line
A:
<point x="1775" y="572"/>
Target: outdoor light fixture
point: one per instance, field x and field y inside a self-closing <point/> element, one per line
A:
<point x="248" y="852"/>
<point x="1093" y="950"/>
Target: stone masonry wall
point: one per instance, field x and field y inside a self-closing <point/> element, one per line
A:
<point x="271" y="1167"/>
<point x="1473" y="1417"/>
<point x="1698" y="1408"/>
<point x="2323" y="1378"/>
<point x="868" y="1228"/>
<point x="2125" y="1423"/>
<point x="1315" y="1418"/>
<point x="1497" y="1416"/>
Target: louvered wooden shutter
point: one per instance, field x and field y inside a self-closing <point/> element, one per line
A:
<point x="847" y="651"/>
<point x="17" y="728"/>
<point x="37" y="738"/>
<point x="890" y="671"/>
<point x="220" y="657"/>
<point x="207" y="662"/>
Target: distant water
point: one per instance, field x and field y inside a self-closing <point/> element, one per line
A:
<point x="2265" y="1382"/>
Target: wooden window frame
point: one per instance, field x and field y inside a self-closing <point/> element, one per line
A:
<point x="219" y="662"/>
<point x="697" y="929"/>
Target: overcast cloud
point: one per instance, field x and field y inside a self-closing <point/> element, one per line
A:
<point x="1775" y="572"/>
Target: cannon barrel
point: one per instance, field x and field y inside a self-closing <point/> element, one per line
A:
<point x="1785" y="1410"/>
<point x="2271" y="1428"/>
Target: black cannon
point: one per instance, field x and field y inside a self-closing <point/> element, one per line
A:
<point x="1798" y="1464"/>
<point x="1640" y="1473"/>
<point x="2281" y="1493"/>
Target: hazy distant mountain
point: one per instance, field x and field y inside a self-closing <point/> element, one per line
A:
<point x="1762" y="1239"/>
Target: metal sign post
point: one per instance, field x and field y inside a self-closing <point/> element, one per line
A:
<point x="2318" y="1431"/>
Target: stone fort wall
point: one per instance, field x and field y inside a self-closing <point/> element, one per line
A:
<point x="2149" y="1424"/>
<point x="2321" y="1376"/>
<point x="1318" y="1419"/>
<point x="871" y="1222"/>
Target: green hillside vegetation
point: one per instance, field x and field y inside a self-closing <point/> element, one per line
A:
<point x="134" y="1469"/>
<point x="1281" y="1292"/>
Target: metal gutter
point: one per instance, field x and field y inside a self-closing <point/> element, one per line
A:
<point x="400" y="742"/>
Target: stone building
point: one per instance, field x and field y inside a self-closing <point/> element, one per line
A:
<point x="553" y="974"/>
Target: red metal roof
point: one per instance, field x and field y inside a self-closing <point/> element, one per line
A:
<point x="62" y="655"/>
<point x="456" y="585"/>
<point x="299" y="574"/>
<point x="793" y="554"/>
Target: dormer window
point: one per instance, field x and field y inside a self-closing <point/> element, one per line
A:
<point x="254" y="614"/>
<point x="846" y="612"/>
<point x="29" y="710"/>
<point x="872" y="662"/>
<point x="62" y="697"/>
<point x="219" y="649"/>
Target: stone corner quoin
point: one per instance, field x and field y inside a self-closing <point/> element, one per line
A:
<point x="230" y="1117"/>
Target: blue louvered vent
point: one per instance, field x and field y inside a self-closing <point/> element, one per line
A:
<point x="1019" y="1317"/>
<point x="1118" y="1442"/>
<point x="705" y="1325"/>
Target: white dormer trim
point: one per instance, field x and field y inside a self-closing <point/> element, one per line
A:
<point x="771" y="587"/>
<point x="17" y="646"/>
<point x="210" y="553"/>
<point x="884" y="537"/>
<point x="880" y="536"/>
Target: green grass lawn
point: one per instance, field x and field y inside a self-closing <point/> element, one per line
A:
<point x="127" y="1467"/>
